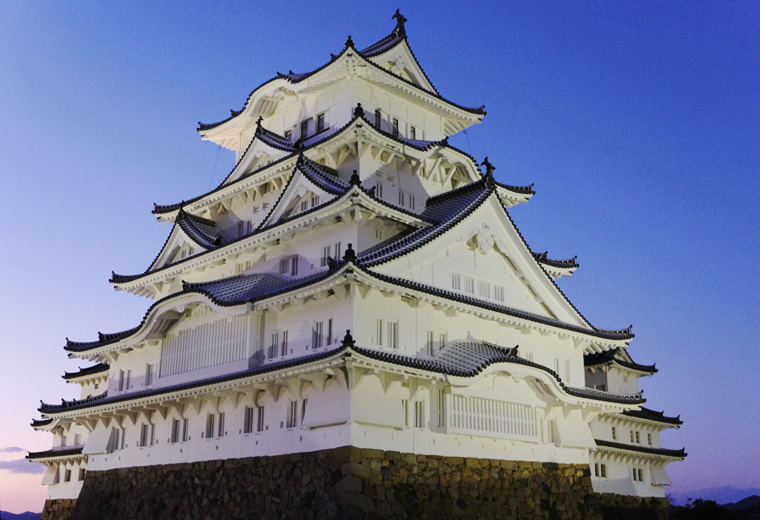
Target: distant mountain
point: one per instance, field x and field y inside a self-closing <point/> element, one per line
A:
<point x="720" y="495"/>
<point x="4" y="515"/>
<point x="753" y="501"/>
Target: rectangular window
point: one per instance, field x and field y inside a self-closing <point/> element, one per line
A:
<point x="412" y="132"/>
<point x="248" y="420"/>
<point x="429" y="345"/>
<point x="121" y="380"/>
<point x="284" y="344"/>
<point x="469" y="285"/>
<point x="220" y="431"/>
<point x="378" y="118"/>
<point x="67" y="476"/>
<point x="82" y="473"/>
<point x="484" y="289"/>
<point x="320" y="122"/>
<point x="498" y="293"/>
<point x="241" y="228"/>
<point x="638" y="437"/>
<point x="260" y="419"/>
<point x="638" y="475"/>
<point x="329" y="332"/>
<point x="325" y="256"/>
<point x="144" y="434"/>
<point x="303" y="409"/>
<point x="210" y="422"/>
<point x="78" y="439"/>
<point x="185" y="430"/>
<point x="393" y="334"/>
<point x="395" y="127"/>
<point x="379" y="338"/>
<point x="419" y="414"/>
<point x="600" y="470"/>
<point x="274" y="346"/>
<point x="401" y="198"/>
<point x="304" y="205"/>
<point x="337" y="250"/>
<point x="405" y="412"/>
<point x="290" y="421"/>
<point x="442" y="338"/>
<point x="294" y="266"/>
<point x="288" y="135"/>
<point x="412" y="202"/>
<point x="551" y="427"/>
<point x="456" y="282"/>
<point x="649" y="439"/>
<point x="316" y="334"/>
<point x="614" y="433"/>
<point x="379" y="190"/>
<point x="175" y="431"/>
<point x="148" y="374"/>
<point x="304" y="129"/>
<point x="284" y="264"/>
<point x="314" y="200"/>
<point x="633" y="436"/>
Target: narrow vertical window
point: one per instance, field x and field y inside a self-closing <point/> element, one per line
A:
<point x="456" y="282"/>
<point x="316" y="334"/>
<point x="379" y="190"/>
<point x="284" y="266"/>
<point x="148" y="374"/>
<point x="210" y="420"/>
<point x="294" y="266"/>
<point x="303" y="410"/>
<point x="325" y="255"/>
<point x="393" y="334"/>
<point x="221" y="425"/>
<point x="143" y="435"/>
<point x="401" y="198"/>
<point x="441" y="407"/>
<point x="429" y="346"/>
<point x="320" y="122"/>
<point x="649" y="439"/>
<point x="248" y="420"/>
<point x="304" y="129"/>
<point x="290" y="421"/>
<point x="378" y="118"/>
<point x="395" y="127"/>
<point x="260" y="419"/>
<point x="329" y="332"/>
<point x="175" y="431"/>
<point x="405" y="412"/>
<point x="185" y="430"/>
<point x="284" y="345"/>
<point x="419" y="414"/>
<point x="379" y="339"/>
<point x="412" y="202"/>
<point x="614" y="433"/>
<point x="337" y="250"/>
<point x="121" y="380"/>
<point x="412" y="132"/>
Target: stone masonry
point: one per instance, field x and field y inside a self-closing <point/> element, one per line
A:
<point x="349" y="483"/>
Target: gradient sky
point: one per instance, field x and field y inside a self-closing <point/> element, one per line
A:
<point x="639" y="124"/>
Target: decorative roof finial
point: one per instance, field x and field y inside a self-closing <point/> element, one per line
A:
<point x="349" y="255"/>
<point x="259" y="120"/>
<point x="399" y="30"/>
<point x="348" y="340"/>
<point x="301" y="158"/>
<point x="359" y="111"/>
<point x="489" y="167"/>
<point x="350" y="42"/>
<point x="513" y="351"/>
<point x="355" y="179"/>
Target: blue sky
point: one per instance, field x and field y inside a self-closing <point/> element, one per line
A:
<point x="638" y="123"/>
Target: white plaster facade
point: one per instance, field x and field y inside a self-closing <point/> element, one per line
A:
<point x="347" y="210"/>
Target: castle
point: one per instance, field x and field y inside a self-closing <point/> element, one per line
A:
<point x="355" y="287"/>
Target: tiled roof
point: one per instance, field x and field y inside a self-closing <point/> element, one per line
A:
<point x="561" y="264"/>
<point x="642" y="449"/>
<point x="103" y="339"/>
<point x="375" y="49"/>
<point x="203" y="232"/>
<point x="611" y="356"/>
<point x="273" y="139"/>
<point x="95" y="369"/>
<point x="55" y="452"/>
<point x="36" y="423"/>
<point x="459" y="358"/>
<point x="447" y="210"/>
<point x="652" y="415"/>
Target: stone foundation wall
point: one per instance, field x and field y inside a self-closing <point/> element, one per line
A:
<point x="349" y="483"/>
<point x="60" y="509"/>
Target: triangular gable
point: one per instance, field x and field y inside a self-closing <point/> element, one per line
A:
<point x="307" y="188"/>
<point x="400" y="60"/>
<point x="503" y="260"/>
<point x="178" y="246"/>
<point x="265" y="147"/>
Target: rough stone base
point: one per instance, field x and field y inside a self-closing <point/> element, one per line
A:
<point x="60" y="509"/>
<point x="348" y="483"/>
